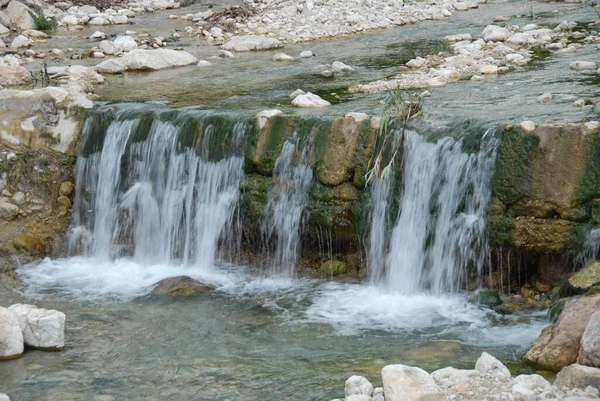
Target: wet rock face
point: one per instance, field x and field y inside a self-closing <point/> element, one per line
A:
<point x="181" y="286"/>
<point x="559" y="345"/>
<point x="586" y="277"/>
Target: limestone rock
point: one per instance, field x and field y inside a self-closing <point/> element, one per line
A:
<point x="527" y="126"/>
<point x="4" y="30"/>
<point x="42" y="328"/>
<point x="522" y="393"/>
<point x="532" y="382"/>
<point x="225" y="54"/>
<point x="586" y="277"/>
<point x="20" y="15"/>
<point x="14" y="76"/>
<point x="306" y="54"/>
<point x="251" y="42"/>
<point x="181" y="286"/>
<point x="125" y="44"/>
<point x="107" y="47"/>
<point x="495" y="33"/>
<point x="458" y="38"/>
<point x="296" y="93"/>
<point x="142" y="59"/>
<point x="21" y="41"/>
<point x="485" y="297"/>
<point x="358" y="385"/>
<point x="589" y="351"/>
<point x="583" y="66"/>
<point x="29" y="244"/>
<point x="66" y="188"/>
<point x="358" y="397"/>
<point x="264" y="116"/>
<point x="338" y="67"/>
<point x="11" y="336"/>
<point x="35" y="35"/>
<point x="558" y="347"/>
<point x="489" y="69"/>
<point x="406" y="383"/>
<point x="490" y="366"/>
<point x="282" y="57"/>
<point x="8" y="211"/>
<point x="578" y="376"/>
<point x="4" y="397"/>
<point x="309" y="100"/>
<point x="449" y="377"/>
<point x="204" y="63"/>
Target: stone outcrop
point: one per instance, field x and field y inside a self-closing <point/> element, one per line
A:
<point x="406" y="383"/>
<point x="559" y="345"/>
<point x="586" y="277"/>
<point x="589" y="350"/>
<point x="578" y="376"/>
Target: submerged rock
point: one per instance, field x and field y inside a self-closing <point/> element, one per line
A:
<point x="181" y="286"/>
<point x="333" y="268"/>
<point x="42" y="328"/>
<point x="485" y="297"/>
<point x="11" y="336"/>
<point x="586" y="277"/>
<point x="558" y="345"/>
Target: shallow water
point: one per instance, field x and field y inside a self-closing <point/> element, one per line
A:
<point x="255" y="338"/>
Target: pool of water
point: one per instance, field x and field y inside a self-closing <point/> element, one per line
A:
<point x="255" y="338"/>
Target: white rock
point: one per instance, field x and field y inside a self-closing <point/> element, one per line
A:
<point x="264" y="116"/>
<point x="119" y="19"/>
<point x="416" y="62"/>
<point x="20" y="15"/>
<point x="42" y="328"/>
<point x="583" y="65"/>
<point x="406" y="383"/>
<point x="98" y="21"/>
<point x="296" y="93"/>
<point x="589" y="352"/>
<point x="282" y="57"/>
<point x="4" y="30"/>
<point x="358" y="385"/>
<point x="35" y="35"/>
<point x="522" y="393"/>
<point x="11" y="336"/>
<point x="18" y="199"/>
<point x="251" y="42"/>
<point x="458" y="38"/>
<point x="545" y="96"/>
<point x="107" y="47"/>
<point x="70" y="20"/>
<point x="306" y="54"/>
<point x="310" y="100"/>
<point x="495" y="33"/>
<point x="8" y="211"/>
<point x="490" y="366"/>
<point x="449" y="377"/>
<point x="142" y="59"/>
<point x="532" y="382"/>
<point x="527" y="126"/>
<point x="98" y="55"/>
<point x="489" y="69"/>
<point x="125" y="44"/>
<point x="521" y="38"/>
<point x="339" y="67"/>
<point x="515" y="58"/>
<point x="97" y="35"/>
<point x="4" y="397"/>
<point x="358" y="397"/>
<point x="225" y="54"/>
<point x="204" y="63"/>
<point x="21" y="41"/>
<point x="358" y="117"/>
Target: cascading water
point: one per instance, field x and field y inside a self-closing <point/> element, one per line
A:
<point x="287" y="199"/>
<point x="440" y="231"/>
<point x="159" y="200"/>
<point x="591" y="247"/>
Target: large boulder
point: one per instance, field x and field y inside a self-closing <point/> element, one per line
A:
<point x="11" y="336"/>
<point x="42" y="328"/>
<point x="407" y="383"/>
<point x="489" y="366"/>
<point x="142" y="59"/>
<point x="586" y="277"/>
<point x="14" y="76"/>
<point x="558" y="345"/>
<point x="589" y="350"/>
<point x="20" y="15"/>
<point x="181" y="286"/>
<point x="125" y="44"/>
<point x="578" y="376"/>
<point x="247" y="43"/>
<point x="450" y="376"/>
<point x="358" y="385"/>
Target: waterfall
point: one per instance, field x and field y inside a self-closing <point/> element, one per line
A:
<point x="156" y="199"/>
<point x="590" y="249"/>
<point x="286" y="201"/>
<point x="440" y="232"/>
